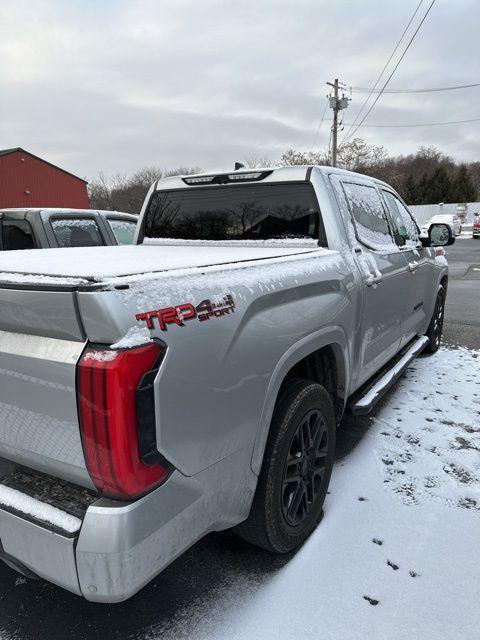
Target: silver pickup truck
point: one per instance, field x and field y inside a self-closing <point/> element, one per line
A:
<point x="193" y="382"/>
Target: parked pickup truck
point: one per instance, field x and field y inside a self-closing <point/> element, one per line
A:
<point x="151" y="394"/>
<point x="44" y="228"/>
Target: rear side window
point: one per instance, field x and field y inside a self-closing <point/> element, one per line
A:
<point x="406" y="230"/>
<point x="369" y="216"/>
<point x="236" y="212"/>
<point x="123" y="230"/>
<point x="76" y="232"/>
<point x="17" y="234"/>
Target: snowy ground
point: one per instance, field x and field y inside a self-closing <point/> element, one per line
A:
<point x="397" y="554"/>
<point x="401" y="527"/>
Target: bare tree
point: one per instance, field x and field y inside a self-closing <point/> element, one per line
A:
<point x="292" y="157"/>
<point x="127" y="193"/>
<point x="181" y="171"/>
<point x="357" y="154"/>
<point x="259" y="162"/>
<point x="99" y="193"/>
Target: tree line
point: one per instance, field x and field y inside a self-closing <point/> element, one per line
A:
<point x="425" y="177"/>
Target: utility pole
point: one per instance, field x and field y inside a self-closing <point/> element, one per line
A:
<point x="337" y="104"/>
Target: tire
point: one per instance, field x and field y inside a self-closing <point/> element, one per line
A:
<point x="280" y="519"/>
<point x="434" y="331"/>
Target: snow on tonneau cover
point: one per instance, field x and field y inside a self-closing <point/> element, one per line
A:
<point x="68" y="296"/>
<point x="95" y="264"/>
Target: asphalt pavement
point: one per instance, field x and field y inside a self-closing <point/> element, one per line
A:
<point x="462" y="313"/>
<point x="32" y="609"/>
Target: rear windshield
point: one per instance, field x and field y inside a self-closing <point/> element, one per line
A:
<point x="236" y="212"/>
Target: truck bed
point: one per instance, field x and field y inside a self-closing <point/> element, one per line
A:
<point x="53" y="301"/>
<point x="84" y="265"/>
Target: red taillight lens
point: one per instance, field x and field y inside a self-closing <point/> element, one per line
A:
<point x="107" y="382"/>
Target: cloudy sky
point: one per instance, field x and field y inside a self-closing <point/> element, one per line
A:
<point x="117" y="85"/>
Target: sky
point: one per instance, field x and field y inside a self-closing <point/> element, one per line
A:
<point x="113" y="86"/>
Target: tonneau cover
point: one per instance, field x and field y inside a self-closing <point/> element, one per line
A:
<point x="80" y="265"/>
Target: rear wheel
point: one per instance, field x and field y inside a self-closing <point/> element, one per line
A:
<point x="296" y="470"/>
<point x="435" y="328"/>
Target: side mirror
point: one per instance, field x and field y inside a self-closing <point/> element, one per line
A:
<point x="439" y="235"/>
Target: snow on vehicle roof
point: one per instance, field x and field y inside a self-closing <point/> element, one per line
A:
<point x="442" y="216"/>
<point x="68" y="211"/>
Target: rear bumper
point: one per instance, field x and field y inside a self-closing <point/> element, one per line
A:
<point x="39" y="550"/>
<point x="120" y="547"/>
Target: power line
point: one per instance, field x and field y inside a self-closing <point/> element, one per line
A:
<point x="425" y="124"/>
<point x="393" y="70"/>
<point x="320" y="125"/>
<point x="383" y="70"/>
<point x="374" y="90"/>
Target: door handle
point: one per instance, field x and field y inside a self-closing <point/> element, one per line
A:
<point x="374" y="280"/>
<point x="413" y="266"/>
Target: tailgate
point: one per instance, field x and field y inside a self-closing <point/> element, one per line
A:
<point x="41" y="339"/>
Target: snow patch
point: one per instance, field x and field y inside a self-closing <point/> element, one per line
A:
<point x="100" y="356"/>
<point x="436" y="455"/>
<point x="40" y="510"/>
<point x="270" y="242"/>
<point x="135" y="337"/>
<point x="26" y="278"/>
<point x="245" y="279"/>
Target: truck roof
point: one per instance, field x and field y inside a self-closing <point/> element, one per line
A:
<point x="22" y="211"/>
<point x="271" y="174"/>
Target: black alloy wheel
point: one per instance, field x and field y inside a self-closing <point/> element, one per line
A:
<point x="304" y="467"/>
<point x="435" y="328"/>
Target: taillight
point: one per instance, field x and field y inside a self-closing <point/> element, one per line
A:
<point x="110" y="397"/>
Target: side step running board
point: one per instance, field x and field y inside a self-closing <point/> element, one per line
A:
<point x="363" y="401"/>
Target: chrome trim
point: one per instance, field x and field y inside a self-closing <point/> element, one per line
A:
<point x="40" y="347"/>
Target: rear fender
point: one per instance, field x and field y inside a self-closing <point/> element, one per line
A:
<point x="329" y="336"/>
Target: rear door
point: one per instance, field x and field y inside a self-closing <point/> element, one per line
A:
<point x="384" y="272"/>
<point x="420" y="263"/>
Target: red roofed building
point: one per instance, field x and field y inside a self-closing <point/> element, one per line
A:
<point x="28" y="181"/>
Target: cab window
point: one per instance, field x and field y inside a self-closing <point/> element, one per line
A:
<point x="76" y="232"/>
<point x="405" y="229"/>
<point x="369" y="216"/>
<point x="123" y="230"/>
